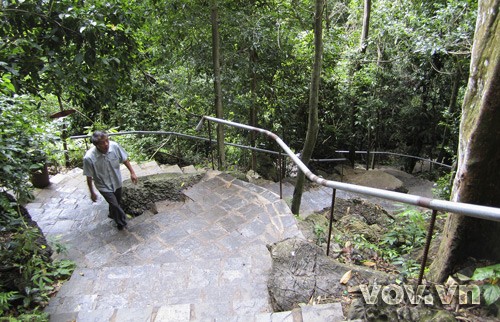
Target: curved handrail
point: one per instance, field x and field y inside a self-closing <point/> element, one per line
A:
<point x="400" y="155"/>
<point x="186" y="136"/>
<point x="476" y="211"/>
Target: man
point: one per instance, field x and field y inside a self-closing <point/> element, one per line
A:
<point x="101" y="165"/>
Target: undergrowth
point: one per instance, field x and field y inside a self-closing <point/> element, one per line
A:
<point x="28" y="274"/>
<point x="393" y="251"/>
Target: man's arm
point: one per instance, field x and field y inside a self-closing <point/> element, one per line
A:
<point x="133" y="176"/>
<point x="93" y="195"/>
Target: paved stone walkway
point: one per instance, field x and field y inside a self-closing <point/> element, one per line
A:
<point x="204" y="259"/>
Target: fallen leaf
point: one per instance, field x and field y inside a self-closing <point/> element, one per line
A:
<point x="369" y="263"/>
<point x="347" y="276"/>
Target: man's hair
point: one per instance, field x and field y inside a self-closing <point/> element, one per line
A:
<point x="97" y="136"/>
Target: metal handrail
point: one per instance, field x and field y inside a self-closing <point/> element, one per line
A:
<point x="476" y="211"/>
<point x="186" y="136"/>
<point x="399" y="155"/>
<point x="86" y="136"/>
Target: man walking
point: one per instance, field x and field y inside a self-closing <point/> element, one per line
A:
<point x="101" y="165"/>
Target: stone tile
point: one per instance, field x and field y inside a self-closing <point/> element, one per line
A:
<point x="211" y="233"/>
<point x="100" y="256"/>
<point x="187" y="247"/>
<point x="209" y="250"/>
<point x="173" y="235"/>
<point x="96" y="315"/>
<point x="189" y="169"/>
<point x="213" y="311"/>
<point x="134" y="314"/>
<point x="61" y="227"/>
<point x="248" y="307"/>
<point x="331" y="312"/>
<point x="166" y="256"/>
<point x="180" y="312"/>
<point x="71" y="304"/>
<point x="144" y="230"/>
<point x="202" y="278"/>
<point x="63" y="317"/>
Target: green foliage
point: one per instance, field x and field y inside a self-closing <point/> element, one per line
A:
<point x="407" y="235"/>
<point x="443" y="187"/>
<point x="5" y="299"/>
<point x="147" y="66"/>
<point x="29" y="275"/>
<point x="319" y="231"/>
<point x="23" y="142"/>
<point x="490" y="276"/>
<point x="410" y="232"/>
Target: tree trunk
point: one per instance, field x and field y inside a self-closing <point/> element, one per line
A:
<point x="366" y="25"/>
<point x="64" y="132"/>
<point x="451" y="109"/>
<point x="253" y="106"/>
<point x="357" y="67"/>
<point x="478" y="172"/>
<point x="219" y="112"/>
<point x="312" y="126"/>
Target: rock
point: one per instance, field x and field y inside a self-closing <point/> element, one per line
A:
<point x="379" y="179"/>
<point x="356" y="224"/>
<point x="407" y="313"/>
<point x="150" y="189"/>
<point x="301" y="270"/>
<point x="372" y="213"/>
<point x="314" y="228"/>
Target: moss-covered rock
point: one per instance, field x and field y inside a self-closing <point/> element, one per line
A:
<point x="150" y="189"/>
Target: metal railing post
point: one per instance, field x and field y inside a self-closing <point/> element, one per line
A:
<point x="210" y="143"/>
<point x="367" y="160"/>
<point x="334" y="192"/>
<point x="279" y="174"/>
<point x="430" y="231"/>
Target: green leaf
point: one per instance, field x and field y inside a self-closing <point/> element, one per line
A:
<point x="488" y="272"/>
<point x="491" y="293"/>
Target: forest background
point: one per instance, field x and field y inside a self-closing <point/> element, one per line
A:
<point x="395" y="83"/>
<point x="147" y="65"/>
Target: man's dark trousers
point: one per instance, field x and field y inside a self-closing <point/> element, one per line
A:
<point x="115" y="210"/>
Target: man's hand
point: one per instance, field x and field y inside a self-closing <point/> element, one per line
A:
<point x="133" y="177"/>
<point x="93" y="195"/>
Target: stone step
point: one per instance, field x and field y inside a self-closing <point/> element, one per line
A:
<point x="204" y="259"/>
<point x="331" y="312"/>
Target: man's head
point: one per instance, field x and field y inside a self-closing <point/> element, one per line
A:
<point x="101" y="141"/>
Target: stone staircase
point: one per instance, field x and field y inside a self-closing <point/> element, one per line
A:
<point x="204" y="259"/>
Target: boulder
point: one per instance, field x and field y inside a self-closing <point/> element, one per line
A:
<point x="378" y="179"/>
<point x="301" y="270"/>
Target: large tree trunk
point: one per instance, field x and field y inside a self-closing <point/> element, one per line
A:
<point x="219" y="112"/>
<point x="312" y="126"/>
<point x="478" y="173"/>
